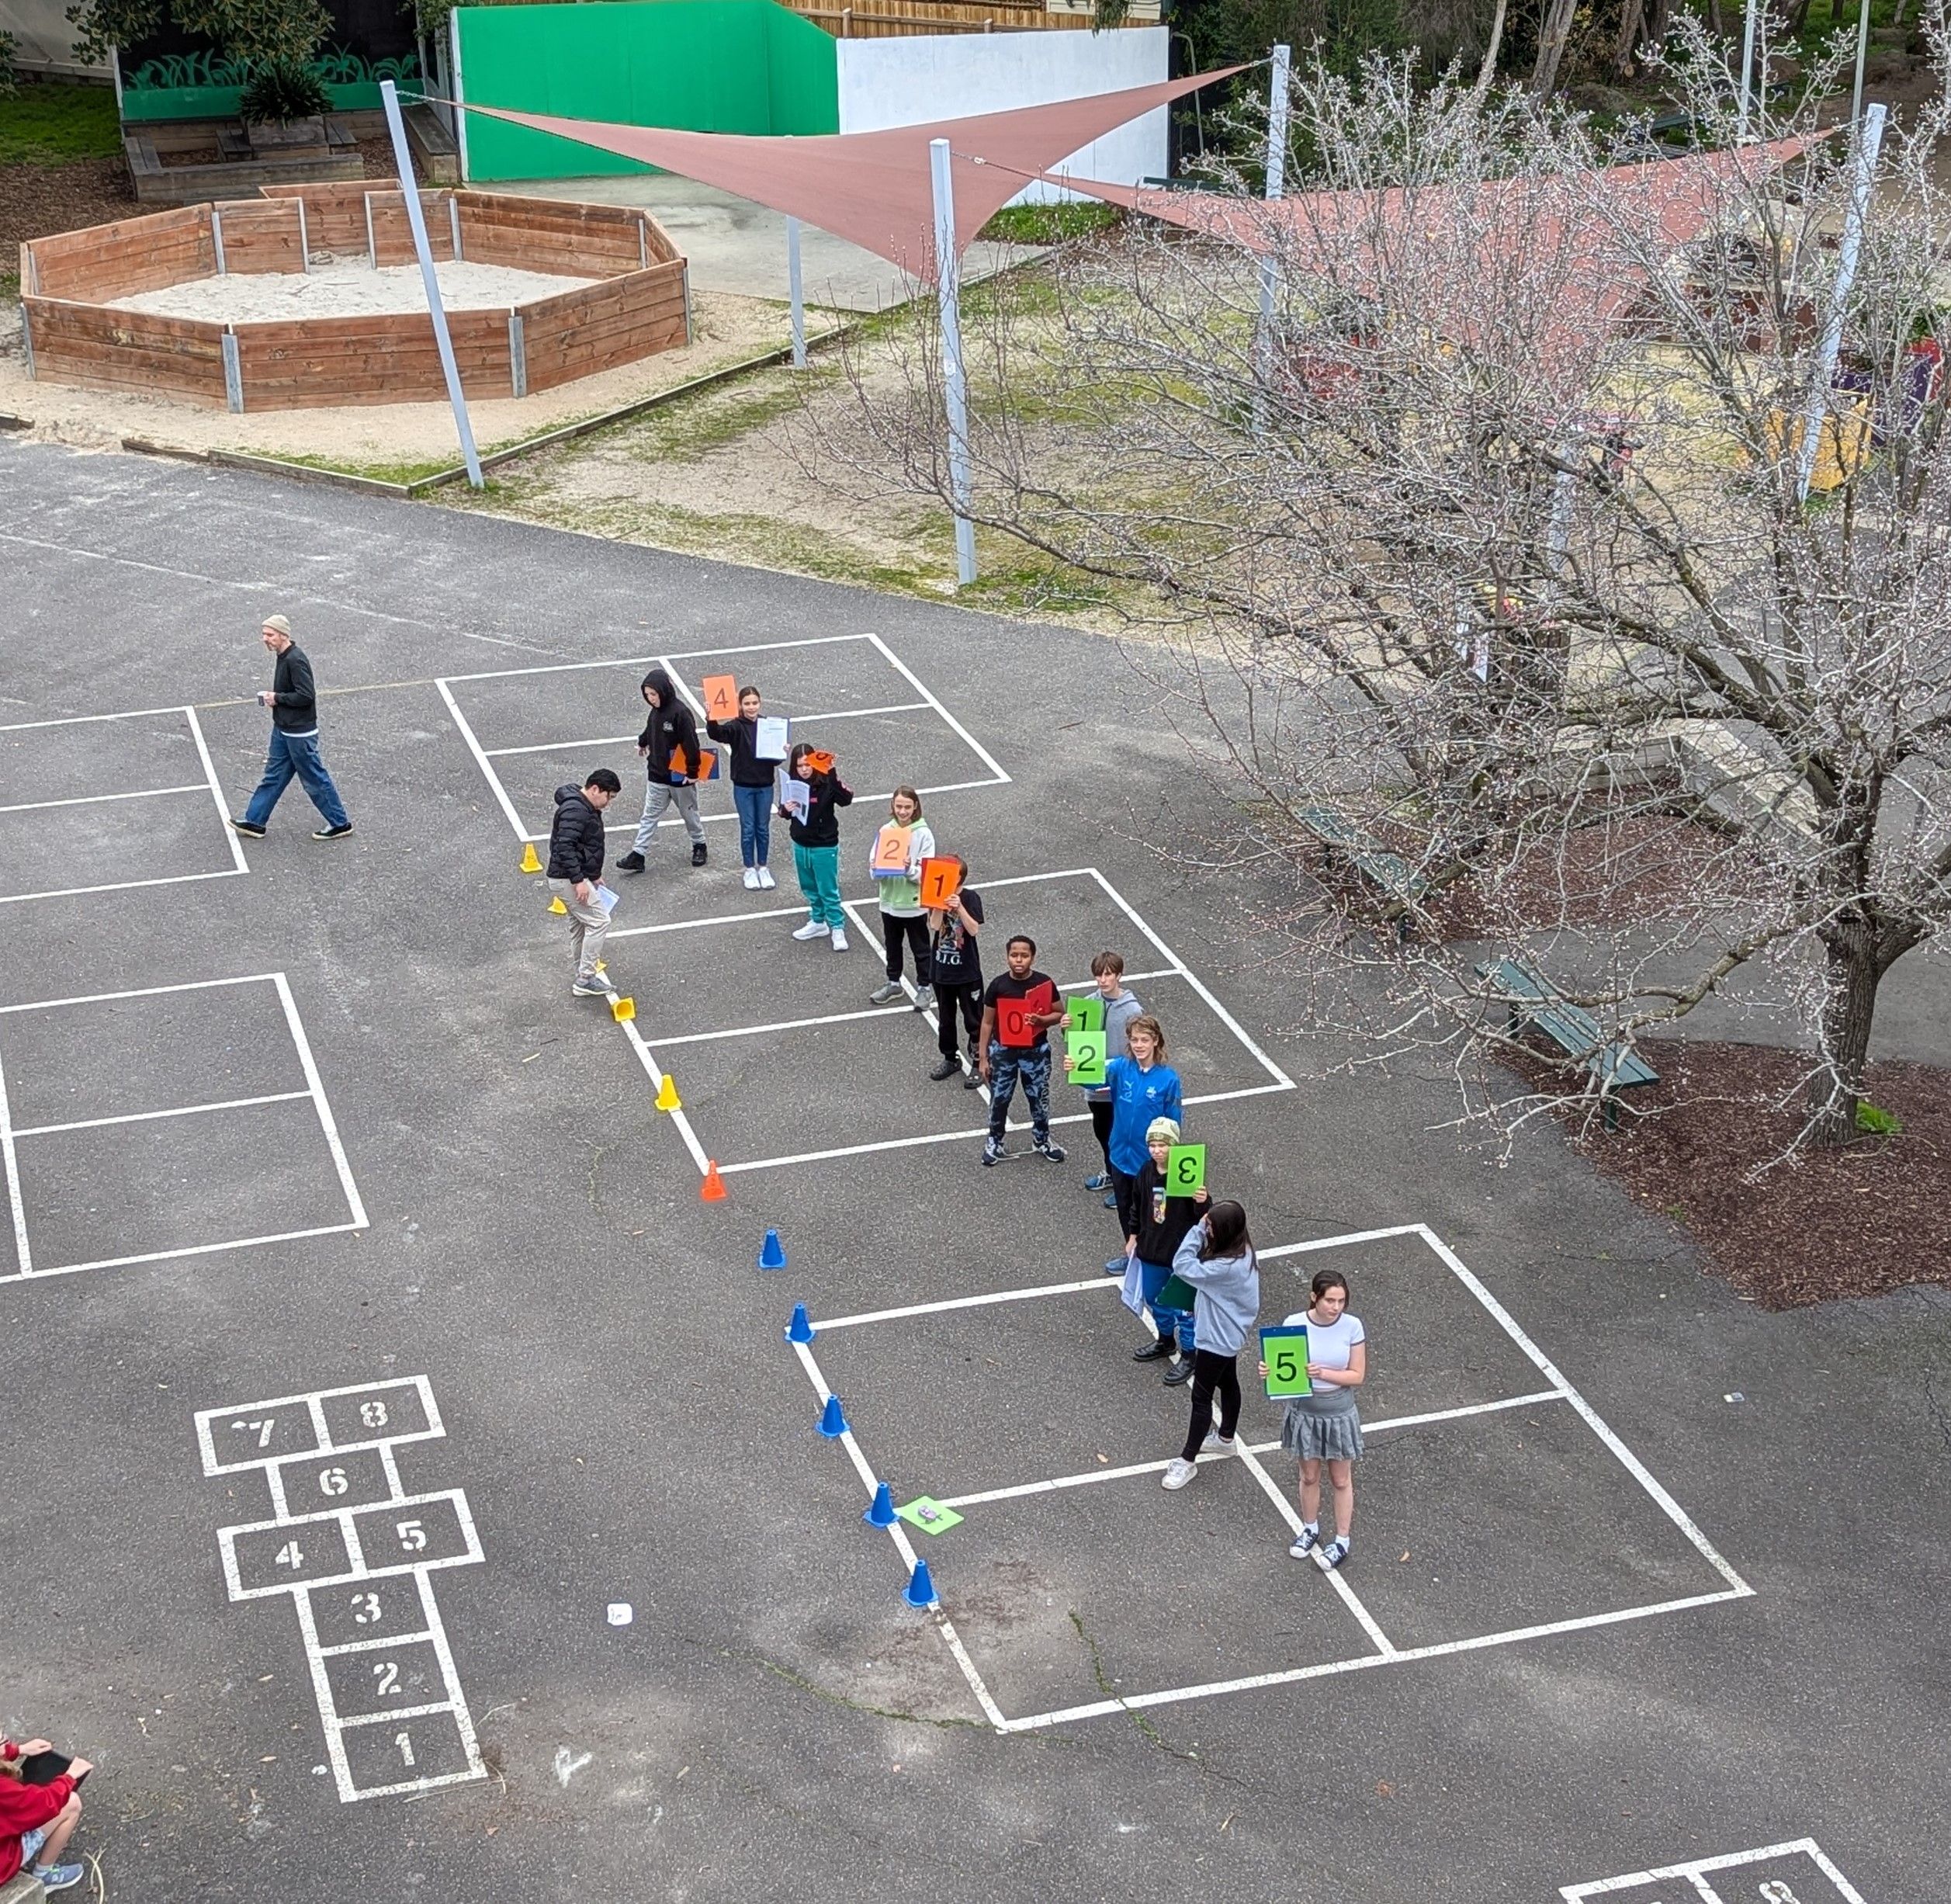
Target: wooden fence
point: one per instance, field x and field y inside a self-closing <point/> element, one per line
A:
<point x="883" y="19"/>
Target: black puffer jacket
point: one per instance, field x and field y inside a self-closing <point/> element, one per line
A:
<point x="671" y="727"/>
<point x="575" y="838"/>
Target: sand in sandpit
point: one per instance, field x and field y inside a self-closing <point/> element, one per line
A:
<point x="343" y="289"/>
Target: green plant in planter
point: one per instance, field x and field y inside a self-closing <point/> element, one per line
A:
<point x="283" y="92"/>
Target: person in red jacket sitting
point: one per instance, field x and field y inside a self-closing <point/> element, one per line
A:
<point x="36" y="1820"/>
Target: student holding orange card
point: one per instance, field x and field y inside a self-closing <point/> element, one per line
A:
<point x="672" y="762"/>
<point x="816" y="843"/>
<point x="904" y="843"/>
<point x="955" y="972"/>
<point x="751" y="785"/>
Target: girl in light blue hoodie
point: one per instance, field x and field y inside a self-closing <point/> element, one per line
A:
<point x="1217" y="1259"/>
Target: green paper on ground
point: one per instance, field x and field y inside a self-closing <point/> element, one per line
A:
<point x="927" y="1514"/>
<point x="1185" y="1169"/>
<point x="1087" y="1015"/>
<point x="1086" y="1049"/>
<point x="1285" y="1352"/>
<point x="1175" y="1292"/>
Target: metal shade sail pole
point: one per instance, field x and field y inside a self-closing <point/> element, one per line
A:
<point x="794" y="291"/>
<point x="1863" y="53"/>
<point x="409" y="192"/>
<point x="954" y="386"/>
<point x="1870" y="140"/>
<point x="1277" y="174"/>
<point x="1747" y="64"/>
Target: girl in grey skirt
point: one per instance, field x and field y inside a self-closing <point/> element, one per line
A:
<point x="1324" y="1426"/>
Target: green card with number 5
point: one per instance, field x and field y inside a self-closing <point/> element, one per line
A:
<point x="1285" y="1352"/>
<point x="1185" y="1169"/>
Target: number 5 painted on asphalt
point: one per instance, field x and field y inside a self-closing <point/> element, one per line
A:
<point x="413" y="1536"/>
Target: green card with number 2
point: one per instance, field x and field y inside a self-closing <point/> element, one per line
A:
<point x="1085" y="1050"/>
<point x="1285" y="1352"/>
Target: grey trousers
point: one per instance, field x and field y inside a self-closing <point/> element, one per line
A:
<point x="657" y="797"/>
<point x="588" y="927"/>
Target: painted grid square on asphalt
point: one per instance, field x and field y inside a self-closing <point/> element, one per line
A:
<point x="74" y="759"/>
<point x="1800" y="1872"/>
<point x="357" y="1614"/>
<point x="377" y="1762"/>
<point x="383" y="1680"/>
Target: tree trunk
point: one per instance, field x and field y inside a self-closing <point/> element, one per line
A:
<point x="1632" y="16"/>
<point x="1552" y="36"/>
<point x="1854" y="973"/>
<point x="1488" y="70"/>
<point x="1716" y="24"/>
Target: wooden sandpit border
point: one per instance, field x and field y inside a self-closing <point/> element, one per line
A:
<point x="640" y="305"/>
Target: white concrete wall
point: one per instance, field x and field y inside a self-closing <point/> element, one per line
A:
<point x="909" y="81"/>
<point x="45" y="36"/>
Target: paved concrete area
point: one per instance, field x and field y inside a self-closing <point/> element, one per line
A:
<point x="735" y="245"/>
<point x="500" y="1346"/>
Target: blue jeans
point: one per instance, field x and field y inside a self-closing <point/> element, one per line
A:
<point x="1153" y="1277"/>
<point x="1006" y="1067"/>
<point x="294" y="756"/>
<point x="754" y="806"/>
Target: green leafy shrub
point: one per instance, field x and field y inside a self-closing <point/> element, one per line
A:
<point x="283" y="92"/>
<point x="1877" y="1121"/>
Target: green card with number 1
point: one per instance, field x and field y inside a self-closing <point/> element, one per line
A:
<point x="1087" y="1013"/>
<point x="1285" y="1352"/>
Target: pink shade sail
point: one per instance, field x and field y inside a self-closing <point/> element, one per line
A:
<point x="872" y="188"/>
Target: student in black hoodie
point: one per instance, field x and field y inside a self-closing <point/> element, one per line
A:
<point x="576" y="867"/>
<point x="816" y="843"/>
<point x="668" y="746"/>
<point x="751" y="788"/>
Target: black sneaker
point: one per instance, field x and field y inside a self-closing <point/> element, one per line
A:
<point x="1153" y="1351"/>
<point x="245" y="827"/>
<point x="333" y="833"/>
<point x="1335" y="1554"/>
<point x="993" y="1153"/>
<point x="947" y="1068"/>
<point x="1180" y="1372"/>
<point x="698" y="852"/>
<point x="630" y="862"/>
<point x="1050" y="1152"/>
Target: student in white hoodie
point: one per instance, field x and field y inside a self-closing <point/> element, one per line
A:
<point x="902" y="915"/>
<point x="1217" y="1259"/>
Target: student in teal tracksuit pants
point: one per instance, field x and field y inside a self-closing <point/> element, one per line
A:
<point x="816" y="845"/>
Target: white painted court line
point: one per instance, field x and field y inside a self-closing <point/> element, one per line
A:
<point x="560" y="747"/>
<point x="480" y="759"/>
<point x="23" y="1258"/>
<point x="691" y="925"/>
<point x="96" y="799"/>
<point x="82" y="720"/>
<point x="140" y="991"/>
<point x="784" y="1025"/>
<point x="650" y="660"/>
<point x="1696" y="1871"/>
<point x="146" y="1117"/>
<point x="238" y="862"/>
<point x="325" y="1119"/>
<point x="975" y="746"/>
<point x="679" y="1117"/>
<point x="313" y="1401"/>
<point x="1100" y="1282"/>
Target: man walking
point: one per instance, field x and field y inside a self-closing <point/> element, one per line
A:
<point x="294" y="742"/>
<point x="575" y="866"/>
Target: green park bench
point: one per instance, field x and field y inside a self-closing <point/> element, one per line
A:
<point x="1389" y="873"/>
<point x="1531" y="1001"/>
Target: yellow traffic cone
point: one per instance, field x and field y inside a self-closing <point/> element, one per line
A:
<point x="556" y="907"/>
<point x="667" y="1098"/>
<point x="623" y="1010"/>
<point x="529" y="862"/>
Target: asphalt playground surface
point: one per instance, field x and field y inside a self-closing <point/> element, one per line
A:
<point x="375" y="1341"/>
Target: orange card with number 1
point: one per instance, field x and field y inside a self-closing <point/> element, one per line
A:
<point x="940" y="881"/>
<point x="721" y="696"/>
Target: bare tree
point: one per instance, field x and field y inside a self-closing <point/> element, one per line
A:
<point x="1495" y="553"/>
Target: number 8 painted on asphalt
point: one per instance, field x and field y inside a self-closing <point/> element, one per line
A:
<point x="1778" y="1893"/>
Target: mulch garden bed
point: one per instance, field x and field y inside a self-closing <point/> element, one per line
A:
<point x="1872" y="1216"/>
<point x="38" y="200"/>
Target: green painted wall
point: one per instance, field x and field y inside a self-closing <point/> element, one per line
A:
<point x="701" y="65"/>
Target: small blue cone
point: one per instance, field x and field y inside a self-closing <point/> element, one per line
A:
<point x="801" y="1328"/>
<point x="772" y="1253"/>
<point x="833" y="1424"/>
<point x="920" y="1590"/>
<point x="882" y="1514"/>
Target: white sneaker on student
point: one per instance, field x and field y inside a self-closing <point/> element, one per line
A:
<point x="767" y="882"/>
<point x="751" y="879"/>
<point x="840" y="940"/>
<point x="1217" y="1444"/>
<point x="1178" y="1472"/>
<point x="811" y="929"/>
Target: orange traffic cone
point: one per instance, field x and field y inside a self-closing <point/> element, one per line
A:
<point x="712" y="1190"/>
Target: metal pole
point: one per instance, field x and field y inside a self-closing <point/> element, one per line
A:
<point x="798" y="300"/>
<point x="1862" y="53"/>
<point x="1277" y="175"/>
<point x="1747" y="64"/>
<point x="410" y="191"/>
<point x="948" y="292"/>
<point x="1869" y="139"/>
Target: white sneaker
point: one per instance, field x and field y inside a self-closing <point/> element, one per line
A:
<point x="1216" y="1443"/>
<point x="751" y="879"/>
<point x="840" y="940"/>
<point x="811" y="929"/>
<point x="767" y="882"/>
<point x="1178" y="1472"/>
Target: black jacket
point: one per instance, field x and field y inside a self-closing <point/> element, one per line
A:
<point x="575" y="838"/>
<point x="670" y="725"/>
<point x="1158" y="1241"/>
<point x="296" y="709"/>
<point x="742" y="736"/>
<point x="821" y="826"/>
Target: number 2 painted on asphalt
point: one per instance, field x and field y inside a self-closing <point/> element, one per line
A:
<point x="387" y="1675"/>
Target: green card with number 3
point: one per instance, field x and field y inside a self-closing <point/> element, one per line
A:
<point x="1285" y="1352"/>
<point x="1185" y="1169"/>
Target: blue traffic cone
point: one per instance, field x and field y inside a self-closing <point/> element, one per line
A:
<point x="882" y="1514"/>
<point x="920" y="1590"/>
<point x="800" y="1329"/>
<point x="833" y="1424"/>
<point x="772" y="1254"/>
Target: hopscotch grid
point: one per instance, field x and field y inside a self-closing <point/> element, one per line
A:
<point x="238" y="864"/>
<point x="1696" y="1871"/>
<point x="1387" y="1653"/>
<point x="431" y="1632"/>
<point x="314" y="1089"/>
<point x="484" y="758"/>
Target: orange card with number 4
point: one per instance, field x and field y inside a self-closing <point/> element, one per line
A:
<point x="941" y="879"/>
<point x="721" y="696"/>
